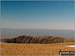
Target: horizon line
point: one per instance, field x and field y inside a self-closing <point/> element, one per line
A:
<point x="35" y="29"/>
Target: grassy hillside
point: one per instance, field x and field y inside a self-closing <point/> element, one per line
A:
<point x="34" y="49"/>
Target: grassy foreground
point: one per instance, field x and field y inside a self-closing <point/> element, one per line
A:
<point x="34" y="49"/>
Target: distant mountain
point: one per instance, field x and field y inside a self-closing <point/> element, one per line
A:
<point x="4" y="40"/>
<point x="40" y="39"/>
<point x="31" y="39"/>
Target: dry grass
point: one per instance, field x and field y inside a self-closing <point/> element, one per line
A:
<point x="34" y="49"/>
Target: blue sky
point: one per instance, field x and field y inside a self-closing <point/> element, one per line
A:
<point x="37" y="14"/>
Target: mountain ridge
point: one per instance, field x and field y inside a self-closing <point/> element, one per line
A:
<point x="39" y="39"/>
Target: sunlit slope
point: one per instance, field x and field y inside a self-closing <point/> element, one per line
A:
<point x="35" y="49"/>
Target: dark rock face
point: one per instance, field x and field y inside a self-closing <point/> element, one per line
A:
<point x="40" y="40"/>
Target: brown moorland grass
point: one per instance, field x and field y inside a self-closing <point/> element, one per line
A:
<point x="34" y="49"/>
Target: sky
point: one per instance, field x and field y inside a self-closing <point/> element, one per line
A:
<point x="37" y="0"/>
<point x="37" y="14"/>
